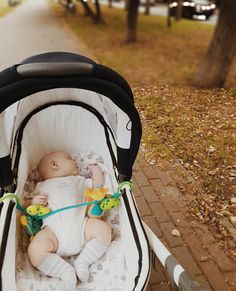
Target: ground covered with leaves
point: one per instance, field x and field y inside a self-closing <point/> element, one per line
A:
<point x="193" y="127"/>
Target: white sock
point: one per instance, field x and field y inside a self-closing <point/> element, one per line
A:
<point x="54" y="266"/>
<point x="92" y="251"/>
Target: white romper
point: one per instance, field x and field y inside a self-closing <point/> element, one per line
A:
<point x="67" y="225"/>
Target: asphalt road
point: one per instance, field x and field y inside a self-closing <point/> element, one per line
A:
<point x="161" y="9"/>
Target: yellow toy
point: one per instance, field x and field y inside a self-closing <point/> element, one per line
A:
<point x="96" y="193"/>
<point x="102" y="200"/>
<point x="29" y="220"/>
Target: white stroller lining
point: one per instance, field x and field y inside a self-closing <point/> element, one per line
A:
<point x="108" y="273"/>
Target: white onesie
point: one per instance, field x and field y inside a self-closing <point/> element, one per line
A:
<point x="67" y="225"/>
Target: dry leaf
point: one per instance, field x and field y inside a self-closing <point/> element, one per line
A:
<point x="175" y="232"/>
<point x="233" y="220"/>
<point x="211" y="149"/>
<point x="225" y="213"/>
<point x="233" y="200"/>
<point x="204" y="259"/>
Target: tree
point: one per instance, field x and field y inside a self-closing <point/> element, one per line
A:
<point x="147" y="7"/>
<point x="216" y="64"/>
<point x="179" y="10"/>
<point x="132" y="20"/>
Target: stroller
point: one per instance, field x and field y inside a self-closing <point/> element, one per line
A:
<point x="64" y="101"/>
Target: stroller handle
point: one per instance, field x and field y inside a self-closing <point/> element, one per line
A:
<point x="54" y="69"/>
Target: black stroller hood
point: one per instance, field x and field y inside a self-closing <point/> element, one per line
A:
<point x="68" y="70"/>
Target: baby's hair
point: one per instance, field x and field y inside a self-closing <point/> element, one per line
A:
<point x="42" y="166"/>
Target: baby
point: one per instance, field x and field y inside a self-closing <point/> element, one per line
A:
<point x="69" y="232"/>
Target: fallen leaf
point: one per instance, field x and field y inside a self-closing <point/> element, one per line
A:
<point x="175" y="232"/>
<point x="233" y="200"/>
<point x="204" y="259"/>
<point x="225" y="213"/>
<point x="211" y="149"/>
<point x="233" y="220"/>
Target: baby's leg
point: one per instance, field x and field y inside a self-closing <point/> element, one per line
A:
<point x="98" y="237"/>
<point x="42" y="255"/>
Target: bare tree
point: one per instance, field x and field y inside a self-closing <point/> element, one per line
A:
<point x="147" y="7"/>
<point x="132" y="20"/>
<point x="93" y="11"/>
<point x="179" y="10"/>
<point x="216" y="64"/>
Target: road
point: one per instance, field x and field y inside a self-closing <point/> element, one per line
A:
<point x="161" y="9"/>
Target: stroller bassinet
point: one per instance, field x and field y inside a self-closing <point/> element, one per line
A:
<point x="64" y="101"/>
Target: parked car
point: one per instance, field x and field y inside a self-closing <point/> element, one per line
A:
<point x="143" y="2"/>
<point x="194" y="9"/>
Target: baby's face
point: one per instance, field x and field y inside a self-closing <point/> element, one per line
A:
<point x="67" y="166"/>
<point x="57" y="164"/>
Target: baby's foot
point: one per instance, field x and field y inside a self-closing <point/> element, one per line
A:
<point x="82" y="269"/>
<point x="70" y="280"/>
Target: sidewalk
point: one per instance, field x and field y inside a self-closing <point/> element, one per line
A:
<point x="31" y="29"/>
<point x="158" y="199"/>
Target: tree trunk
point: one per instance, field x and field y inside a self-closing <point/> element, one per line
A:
<point x="179" y="10"/>
<point x="88" y="10"/>
<point x="168" y="17"/>
<point x="215" y="66"/>
<point x="147" y="7"/>
<point x="110" y="3"/>
<point x="99" y="18"/>
<point x="132" y="20"/>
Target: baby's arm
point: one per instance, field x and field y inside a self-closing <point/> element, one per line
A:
<point x="97" y="175"/>
<point x="40" y="199"/>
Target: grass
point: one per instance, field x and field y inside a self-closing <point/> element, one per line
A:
<point x="4" y="8"/>
<point x="197" y="126"/>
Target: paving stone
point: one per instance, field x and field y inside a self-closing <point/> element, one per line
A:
<point x="137" y="191"/>
<point x="232" y="279"/>
<point x="150" y="172"/>
<point x="152" y="223"/>
<point x="185" y="258"/>
<point x="169" y="203"/>
<point x="181" y="223"/>
<point x="140" y="179"/>
<point x="158" y="186"/>
<point x="196" y="247"/>
<point x="230" y="228"/>
<point x="172" y="241"/>
<point x="202" y="232"/>
<point x="202" y="281"/>
<point x="161" y="287"/>
<point x="149" y="193"/>
<point x="222" y="260"/>
<point x="149" y="288"/>
<point x="158" y="275"/>
<point x="143" y="206"/>
<point x="159" y="212"/>
<point x="175" y="177"/>
<point x="216" y="279"/>
<point x="164" y="176"/>
<point x="142" y="161"/>
<point x="173" y="192"/>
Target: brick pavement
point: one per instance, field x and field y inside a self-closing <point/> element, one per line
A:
<point x="159" y="202"/>
<point x="31" y="29"/>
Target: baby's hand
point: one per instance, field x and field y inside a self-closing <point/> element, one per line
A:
<point x="40" y="199"/>
<point x="97" y="175"/>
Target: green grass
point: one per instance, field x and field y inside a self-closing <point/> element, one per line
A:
<point x="4" y="8"/>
